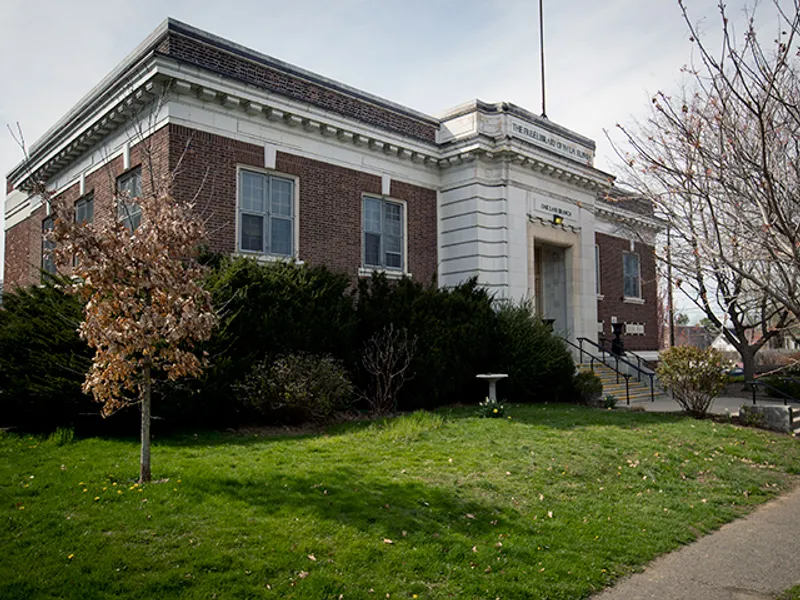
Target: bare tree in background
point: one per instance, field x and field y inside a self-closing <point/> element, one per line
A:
<point x="387" y="358"/>
<point x="721" y="161"/>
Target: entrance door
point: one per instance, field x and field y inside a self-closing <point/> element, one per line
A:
<point x="551" y="285"/>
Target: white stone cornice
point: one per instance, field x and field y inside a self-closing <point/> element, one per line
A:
<point x="620" y="215"/>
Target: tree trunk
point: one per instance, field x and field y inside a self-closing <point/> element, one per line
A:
<point x="748" y="365"/>
<point x="144" y="459"/>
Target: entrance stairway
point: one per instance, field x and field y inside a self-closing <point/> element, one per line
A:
<point x="639" y="390"/>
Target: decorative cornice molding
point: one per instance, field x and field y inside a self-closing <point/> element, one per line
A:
<point x="629" y="218"/>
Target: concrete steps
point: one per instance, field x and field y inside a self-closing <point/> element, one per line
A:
<point x="639" y="391"/>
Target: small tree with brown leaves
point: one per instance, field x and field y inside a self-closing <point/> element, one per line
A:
<point x="144" y="306"/>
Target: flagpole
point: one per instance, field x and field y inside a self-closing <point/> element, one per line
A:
<point x="541" y="53"/>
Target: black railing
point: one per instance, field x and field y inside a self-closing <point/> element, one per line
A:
<point x="648" y="364"/>
<point x="786" y="397"/>
<point x="618" y="359"/>
<point x="603" y="360"/>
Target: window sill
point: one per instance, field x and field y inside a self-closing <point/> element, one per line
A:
<point x="628" y="300"/>
<point x="390" y="273"/>
<point x="268" y="258"/>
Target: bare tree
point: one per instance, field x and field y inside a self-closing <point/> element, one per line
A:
<point x="387" y="358"/>
<point x="720" y="161"/>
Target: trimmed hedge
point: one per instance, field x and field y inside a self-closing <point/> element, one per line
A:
<point x="42" y="360"/>
<point x="282" y="308"/>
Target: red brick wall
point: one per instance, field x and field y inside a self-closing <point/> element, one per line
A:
<point x="330" y="201"/>
<point x="236" y="64"/>
<point x="205" y="168"/>
<point x="23" y="257"/>
<point x="24" y="251"/>
<point x="611" y="287"/>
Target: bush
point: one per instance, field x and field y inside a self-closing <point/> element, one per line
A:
<point x="278" y="309"/>
<point x="265" y="311"/>
<point x="538" y="363"/>
<point x="695" y="377"/>
<point x="589" y="387"/>
<point x="455" y="331"/>
<point x="790" y="386"/>
<point x="43" y="361"/>
<point x="296" y="388"/>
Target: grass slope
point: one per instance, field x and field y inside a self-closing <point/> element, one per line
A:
<point x="554" y="503"/>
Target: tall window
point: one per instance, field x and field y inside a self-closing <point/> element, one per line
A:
<point x="383" y="234"/>
<point x="266" y="214"/>
<point x="48" y="261"/>
<point x="597" y="269"/>
<point x="84" y="209"/>
<point x="129" y="188"/>
<point x="632" y="284"/>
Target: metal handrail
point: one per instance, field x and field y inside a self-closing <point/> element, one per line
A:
<point x="638" y="367"/>
<point x="639" y="359"/>
<point x="593" y="358"/>
<point x="786" y="397"/>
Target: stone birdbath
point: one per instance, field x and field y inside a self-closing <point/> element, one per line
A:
<point x="492" y="378"/>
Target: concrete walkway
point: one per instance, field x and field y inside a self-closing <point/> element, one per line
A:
<point x="754" y="558"/>
<point x="665" y="403"/>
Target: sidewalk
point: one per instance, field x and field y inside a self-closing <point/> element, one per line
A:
<point x="754" y="558"/>
<point x="722" y="404"/>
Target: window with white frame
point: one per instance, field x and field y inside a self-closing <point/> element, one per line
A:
<point x="48" y="260"/>
<point x="129" y="189"/>
<point x="84" y="209"/>
<point x="597" y="269"/>
<point x="632" y="282"/>
<point x="383" y="234"/>
<point x="266" y="214"/>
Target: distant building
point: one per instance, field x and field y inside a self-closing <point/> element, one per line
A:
<point x="693" y="335"/>
<point x="293" y="165"/>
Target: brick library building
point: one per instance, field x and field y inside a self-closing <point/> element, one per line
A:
<point x="286" y="164"/>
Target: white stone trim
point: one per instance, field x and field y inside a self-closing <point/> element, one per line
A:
<point x="389" y="273"/>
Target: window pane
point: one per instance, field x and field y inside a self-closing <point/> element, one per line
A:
<point x="597" y="269"/>
<point x="281" y="191"/>
<point x="394" y="261"/>
<point x="372" y="249"/>
<point x="393" y="223"/>
<point x="252" y="233"/>
<point x="281" y="237"/>
<point x="48" y="262"/>
<point x="84" y="210"/>
<point x="392" y="244"/>
<point x="130" y="185"/>
<point x="252" y="192"/>
<point x="130" y="213"/>
<point x="372" y="215"/>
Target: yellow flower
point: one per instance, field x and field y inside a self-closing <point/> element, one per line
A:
<point x="71" y="556"/>
<point x="96" y="498"/>
<point x="495" y="410"/>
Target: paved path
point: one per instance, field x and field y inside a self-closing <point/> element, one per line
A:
<point x="754" y="558"/>
<point x="667" y="404"/>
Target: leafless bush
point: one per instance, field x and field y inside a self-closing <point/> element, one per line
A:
<point x="387" y="357"/>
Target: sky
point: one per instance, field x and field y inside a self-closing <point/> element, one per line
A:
<point x="604" y="60"/>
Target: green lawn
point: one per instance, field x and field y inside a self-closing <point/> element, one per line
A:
<point x="554" y="503"/>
